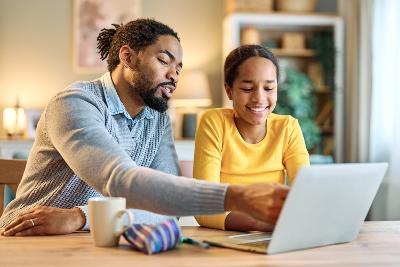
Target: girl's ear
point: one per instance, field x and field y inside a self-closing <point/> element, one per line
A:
<point x="127" y="56"/>
<point x="228" y="91"/>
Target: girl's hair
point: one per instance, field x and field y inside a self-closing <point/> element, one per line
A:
<point x="237" y="56"/>
<point x="138" y="34"/>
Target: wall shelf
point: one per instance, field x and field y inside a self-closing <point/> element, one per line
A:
<point x="308" y="23"/>
<point x="9" y="147"/>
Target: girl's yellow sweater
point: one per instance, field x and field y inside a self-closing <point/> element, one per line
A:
<point x="222" y="156"/>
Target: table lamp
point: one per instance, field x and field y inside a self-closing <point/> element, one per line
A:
<point x="14" y="121"/>
<point x="193" y="91"/>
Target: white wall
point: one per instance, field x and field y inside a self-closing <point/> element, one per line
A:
<point x="36" y="45"/>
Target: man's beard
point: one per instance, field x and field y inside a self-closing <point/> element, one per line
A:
<point x="143" y="87"/>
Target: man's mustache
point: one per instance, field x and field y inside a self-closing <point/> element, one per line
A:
<point x="167" y="83"/>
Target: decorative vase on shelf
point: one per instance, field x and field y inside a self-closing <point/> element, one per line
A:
<point x="296" y="6"/>
<point x="250" y="6"/>
<point x="250" y="35"/>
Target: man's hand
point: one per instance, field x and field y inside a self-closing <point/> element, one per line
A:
<point x="239" y="221"/>
<point x="261" y="201"/>
<point x="46" y="221"/>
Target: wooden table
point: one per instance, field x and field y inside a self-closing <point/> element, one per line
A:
<point x="377" y="245"/>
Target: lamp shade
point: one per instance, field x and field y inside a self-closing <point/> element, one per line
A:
<point x="193" y="90"/>
<point x="14" y="120"/>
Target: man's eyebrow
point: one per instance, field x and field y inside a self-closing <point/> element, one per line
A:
<point x="170" y="55"/>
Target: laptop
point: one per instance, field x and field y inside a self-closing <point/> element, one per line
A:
<point x="327" y="204"/>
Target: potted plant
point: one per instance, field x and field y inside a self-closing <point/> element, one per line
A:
<point x="296" y="97"/>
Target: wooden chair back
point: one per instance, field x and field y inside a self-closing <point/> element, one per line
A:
<point x="11" y="172"/>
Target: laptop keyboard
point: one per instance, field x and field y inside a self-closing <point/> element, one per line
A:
<point x="253" y="238"/>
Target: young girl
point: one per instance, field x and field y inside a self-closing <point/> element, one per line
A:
<point x="249" y="143"/>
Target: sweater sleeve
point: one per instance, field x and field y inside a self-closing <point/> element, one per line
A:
<point x="75" y="123"/>
<point x="166" y="160"/>
<point x="296" y="154"/>
<point x="207" y="160"/>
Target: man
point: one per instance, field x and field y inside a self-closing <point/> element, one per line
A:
<point x="112" y="137"/>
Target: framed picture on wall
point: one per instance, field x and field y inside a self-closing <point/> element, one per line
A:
<point x="89" y="17"/>
<point x="32" y="119"/>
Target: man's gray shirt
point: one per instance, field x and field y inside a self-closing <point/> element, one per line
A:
<point x="87" y="145"/>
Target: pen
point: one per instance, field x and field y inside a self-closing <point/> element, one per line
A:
<point x="190" y="241"/>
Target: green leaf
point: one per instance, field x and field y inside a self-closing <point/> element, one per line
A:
<point x="296" y="97"/>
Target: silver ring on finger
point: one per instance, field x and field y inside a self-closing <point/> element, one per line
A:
<point x="33" y="222"/>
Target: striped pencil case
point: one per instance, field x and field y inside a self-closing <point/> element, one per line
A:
<point x="152" y="239"/>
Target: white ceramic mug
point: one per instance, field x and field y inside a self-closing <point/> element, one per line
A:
<point x="105" y="215"/>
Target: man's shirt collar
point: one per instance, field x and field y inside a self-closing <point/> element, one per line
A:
<point x="114" y="102"/>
